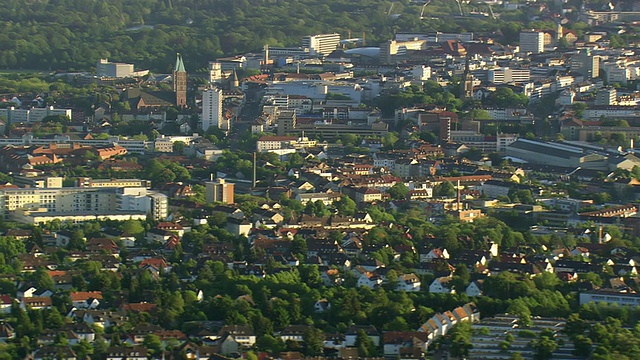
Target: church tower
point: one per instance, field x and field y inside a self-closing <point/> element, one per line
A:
<point x="180" y="82"/>
<point x="467" y="81"/>
<point x="234" y="83"/>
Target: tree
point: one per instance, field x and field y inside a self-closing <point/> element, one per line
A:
<point x="83" y="349"/>
<point x="445" y="189"/>
<point x="544" y="347"/>
<point x="320" y="209"/>
<point x="313" y="339"/>
<point x="133" y="227"/>
<point x="582" y="346"/>
<point x="153" y="343"/>
<point x="179" y="146"/>
<point x="364" y="344"/>
<point x="399" y="191"/>
<point x="460" y="339"/>
<point x="345" y="206"/>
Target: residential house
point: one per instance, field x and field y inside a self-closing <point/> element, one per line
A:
<point x="442" y="285"/>
<point x="230" y="211"/>
<point x="294" y="333"/>
<point x="367" y="195"/>
<point x="55" y="352"/>
<point x="35" y="303"/>
<point x="432" y="254"/>
<point x="405" y="344"/>
<point x="408" y="283"/>
<point x="86" y="299"/>
<point x="5" y="304"/>
<point x="235" y="337"/>
<point x="369" y="279"/>
<point x="474" y="288"/>
<point x="321" y="306"/>
<point x="238" y="227"/>
<point x="137" y="352"/>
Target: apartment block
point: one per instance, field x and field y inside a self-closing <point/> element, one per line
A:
<point x="219" y="191"/>
<point x="15" y="115"/>
<point x="212" y="109"/>
<point x="80" y="201"/>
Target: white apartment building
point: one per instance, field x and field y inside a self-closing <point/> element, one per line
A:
<point x="32" y="115"/>
<point x="79" y="201"/>
<point x="532" y="41"/>
<point x="596" y="112"/>
<point x="321" y="44"/>
<point x="212" y="109"/>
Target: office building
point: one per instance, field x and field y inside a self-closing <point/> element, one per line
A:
<point x="212" y="109"/>
<point x="531" y="41"/>
<point x="322" y="44"/>
<point x="219" y="191"/>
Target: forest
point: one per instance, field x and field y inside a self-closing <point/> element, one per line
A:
<point x="73" y="34"/>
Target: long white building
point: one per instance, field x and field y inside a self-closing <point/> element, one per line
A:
<point x="29" y="203"/>
<point x="14" y="115"/>
<point x="132" y="146"/>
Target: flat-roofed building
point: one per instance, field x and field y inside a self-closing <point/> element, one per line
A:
<point x="555" y="154"/>
<point x="219" y="191"/>
<point x="321" y="44"/>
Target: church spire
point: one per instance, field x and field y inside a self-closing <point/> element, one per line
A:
<point x="179" y="63"/>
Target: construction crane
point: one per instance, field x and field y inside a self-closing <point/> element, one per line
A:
<point x="424" y="6"/>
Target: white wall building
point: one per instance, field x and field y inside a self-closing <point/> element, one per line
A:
<point x="14" y="115"/>
<point x="321" y="44"/>
<point x="505" y="75"/>
<point x="212" y="109"/>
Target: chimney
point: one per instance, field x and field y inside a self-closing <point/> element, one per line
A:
<point x="458" y="193"/>
<point x="254" y="169"/>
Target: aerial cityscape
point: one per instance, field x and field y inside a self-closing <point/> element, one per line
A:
<point x="319" y="179"/>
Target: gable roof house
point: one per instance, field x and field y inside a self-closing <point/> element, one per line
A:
<point x="409" y="283"/>
<point x="442" y="285"/>
<point x="405" y="344"/>
<point x="86" y="299"/>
